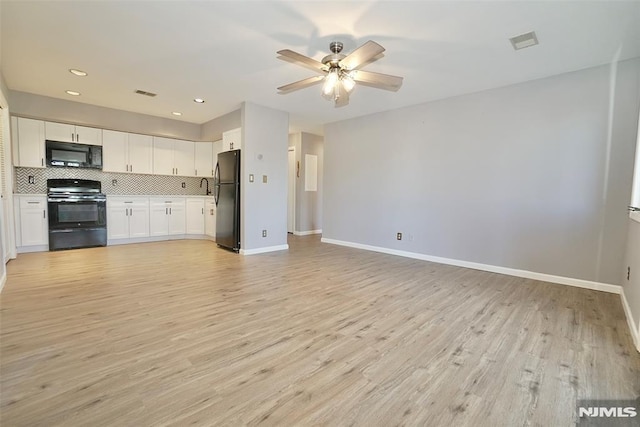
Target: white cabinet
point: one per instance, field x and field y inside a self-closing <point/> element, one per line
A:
<point x="72" y="133"/>
<point x="28" y="142"/>
<point x="167" y="216"/>
<point x="204" y="162"/>
<point x="173" y="157"/>
<point x="217" y="148"/>
<point x="232" y="139"/>
<point x="195" y="216"/>
<point x="127" y="152"/>
<point x="127" y="217"/>
<point x="210" y="218"/>
<point x="32" y="228"/>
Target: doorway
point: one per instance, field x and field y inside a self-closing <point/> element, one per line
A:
<point x="291" y="199"/>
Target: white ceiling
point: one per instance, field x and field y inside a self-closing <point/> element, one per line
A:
<point x="225" y="51"/>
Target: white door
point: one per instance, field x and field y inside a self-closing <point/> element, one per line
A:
<point x="140" y="153"/>
<point x="114" y="151"/>
<point x="291" y="199"/>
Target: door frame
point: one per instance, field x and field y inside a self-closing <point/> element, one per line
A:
<point x="291" y="193"/>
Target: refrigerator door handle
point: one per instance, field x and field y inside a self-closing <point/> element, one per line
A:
<point x="216" y="183"/>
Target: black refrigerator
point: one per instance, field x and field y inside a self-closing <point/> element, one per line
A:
<point x="227" y="196"/>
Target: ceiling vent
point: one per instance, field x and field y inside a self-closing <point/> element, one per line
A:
<point x="144" y="92"/>
<point x="524" y="40"/>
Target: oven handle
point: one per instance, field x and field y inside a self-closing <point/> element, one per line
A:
<point x="88" y="199"/>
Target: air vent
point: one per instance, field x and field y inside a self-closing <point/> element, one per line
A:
<point x="524" y="40"/>
<point x="144" y="92"/>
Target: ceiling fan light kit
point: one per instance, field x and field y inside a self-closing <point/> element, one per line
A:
<point x="340" y="73"/>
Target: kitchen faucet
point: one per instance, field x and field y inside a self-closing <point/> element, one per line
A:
<point x="207" y="181"/>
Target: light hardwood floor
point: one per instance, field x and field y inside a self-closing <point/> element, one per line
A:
<point x="181" y="333"/>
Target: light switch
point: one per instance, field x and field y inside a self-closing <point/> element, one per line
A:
<point x="264" y="179"/>
<point x="250" y="177"/>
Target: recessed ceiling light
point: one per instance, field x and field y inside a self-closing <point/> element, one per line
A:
<point x="199" y="100"/>
<point x="176" y="113"/>
<point x="524" y="40"/>
<point x="77" y="72"/>
<point x="73" y="92"/>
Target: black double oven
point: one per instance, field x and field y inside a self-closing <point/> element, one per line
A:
<point x="77" y="214"/>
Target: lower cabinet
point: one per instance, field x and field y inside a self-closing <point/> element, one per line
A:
<point x="31" y="221"/>
<point x="167" y="216"/>
<point x="127" y="217"/>
<point x="210" y="219"/>
<point x="195" y="216"/>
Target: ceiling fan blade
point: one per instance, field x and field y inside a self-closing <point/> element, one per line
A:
<point x="361" y="55"/>
<point x="343" y="97"/>
<point x="297" y="58"/>
<point x="378" y="80"/>
<point x="301" y="84"/>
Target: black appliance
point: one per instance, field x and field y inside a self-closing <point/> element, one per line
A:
<point x="77" y="214"/>
<point x="67" y="154"/>
<point x="227" y="197"/>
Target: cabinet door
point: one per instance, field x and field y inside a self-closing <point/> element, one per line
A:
<point x="217" y="148"/>
<point x="184" y="158"/>
<point x="90" y="136"/>
<point x="232" y="139"/>
<point x="204" y="159"/>
<point x="163" y="156"/>
<point x="117" y="220"/>
<point x="195" y="216"/>
<point x="60" y="132"/>
<point x="158" y="219"/>
<point x="30" y="149"/>
<point x="34" y="228"/>
<point x="140" y="153"/>
<point x="177" y="217"/>
<point x="114" y="153"/>
<point x="210" y="219"/>
<point x="139" y="219"/>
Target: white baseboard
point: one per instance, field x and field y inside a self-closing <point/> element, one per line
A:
<point x="597" y="286"/>
<point x="634" y="326"/>
<point x="307" y="233"/>
<point x="3" y="279"/>
<point x="264" y="250"/>
<point x="28" y="249"/>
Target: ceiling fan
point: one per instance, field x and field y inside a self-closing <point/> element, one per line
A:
<point x="340" y="72"/>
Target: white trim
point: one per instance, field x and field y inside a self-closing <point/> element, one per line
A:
<point x="3" y="279"/>
<point x="597" y="286"/>
<point x="307" y="233"/>
<point x="28" y="249"/>
<point x="264" y="250"/>
<point x="633" y="326"/>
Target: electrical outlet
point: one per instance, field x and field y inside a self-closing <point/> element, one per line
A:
<point x="250" y="177"/>
<point x="399" y="236"/>
<point x="264" y="233"/>
<point x="264" y="179"/>
<point x="184" y="185"/>
<point x="32" y="179"/>
<point x="114" y="182"/>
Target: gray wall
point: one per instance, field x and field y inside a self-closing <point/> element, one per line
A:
<point x="264" y="152"/>
<point x="212" y="130"/>
<point x="308" y="203"/>
<point x="534" y="176"/>
<point x="60" y="110"/>
<point x="632" y="286"/>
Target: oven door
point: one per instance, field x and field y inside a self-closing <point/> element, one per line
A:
<point x="77" y="212"/>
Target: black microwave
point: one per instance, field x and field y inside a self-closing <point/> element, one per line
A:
<point x="70" y="155"/>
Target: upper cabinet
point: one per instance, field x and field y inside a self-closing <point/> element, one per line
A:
<point x="204" y="159"/>
<point x="71" y="133"/>
<point x="173" y="157"/>
<point x="28" y="142"/>
<point x="232" y="140"/>
<point x="127" y="152"/>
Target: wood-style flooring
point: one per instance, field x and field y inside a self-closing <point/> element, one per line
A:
<point x="183" y="333"/>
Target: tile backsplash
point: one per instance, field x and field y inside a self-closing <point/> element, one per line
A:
<point x="112" y="183"/>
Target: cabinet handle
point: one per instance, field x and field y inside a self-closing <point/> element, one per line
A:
<point x="73" y="137"/>
<point x="196" y="172"/>
<point x="166" y="211"/>
<point x="44" y="214"/>
<point x="169" y="211"/>
<point x="77" y="137"/>
<point x="131" y="168"/>
<point x="202" y="211"/>
<point x="131" y="212"/>
<point x="33" y="203"/>
<point x="176" y="171"/>
<point x="42" y="161"/>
